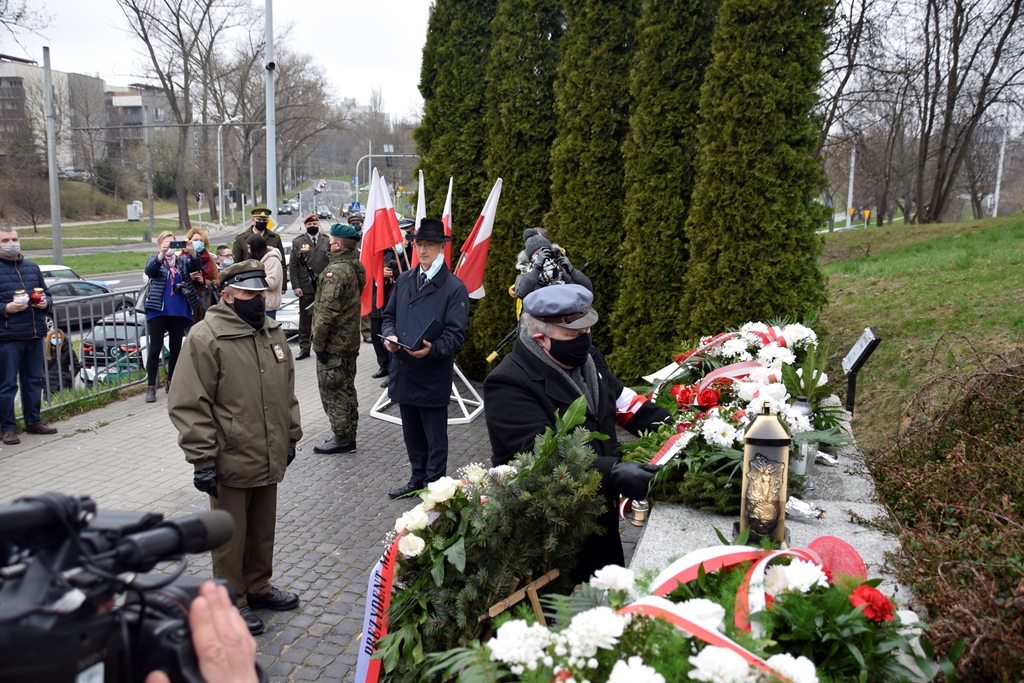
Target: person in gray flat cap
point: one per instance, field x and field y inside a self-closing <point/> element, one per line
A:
<point x="233" y="404"/>
<point x="554" y="364"/>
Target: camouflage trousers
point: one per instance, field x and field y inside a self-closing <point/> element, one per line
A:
<point x="338" y="395"/>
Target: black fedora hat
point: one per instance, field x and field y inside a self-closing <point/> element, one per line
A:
<point x="432" y="230"/>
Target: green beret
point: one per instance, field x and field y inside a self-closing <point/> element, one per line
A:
<point x="346" y="231"/>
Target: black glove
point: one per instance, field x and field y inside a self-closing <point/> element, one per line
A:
<point x="543" y="254"/>
<point x="631" y="479"/>
<point x="321" y="356"/>
<point x="563" y="262"/>
<point x="205" y="480"/>
<point x="291" y="455"/>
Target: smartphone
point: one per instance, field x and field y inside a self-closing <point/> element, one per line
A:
<point x="179" y="245"/>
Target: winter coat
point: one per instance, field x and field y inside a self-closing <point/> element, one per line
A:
<point x="315" y="254"/>
<point x="233" y="399"/>
<point x="522" y="395"/>
<point x="336" y="311"/>
<point x="275" y="278"/>
<point x="30" y="323"/>
<point x="425" y="382"/>
<point x="160" y="275"/>
<point x="239" y="250"/>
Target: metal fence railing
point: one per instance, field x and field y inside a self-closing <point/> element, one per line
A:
<point x="95" y="345"/>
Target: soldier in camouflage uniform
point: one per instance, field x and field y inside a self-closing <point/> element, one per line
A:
<point x="335" y="338"/>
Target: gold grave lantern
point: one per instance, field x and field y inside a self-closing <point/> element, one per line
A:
<point x="765" y="473"/>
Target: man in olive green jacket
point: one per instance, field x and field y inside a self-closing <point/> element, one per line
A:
<point x="233" y="404"/>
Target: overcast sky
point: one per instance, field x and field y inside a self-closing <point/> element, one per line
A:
<point x="360" y="45"/>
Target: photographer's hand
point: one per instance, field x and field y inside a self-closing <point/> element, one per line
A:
<point x="224" y="648"/>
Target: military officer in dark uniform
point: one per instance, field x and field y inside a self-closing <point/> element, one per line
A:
<point x="309" y="253"/>
<point x="260" y="222"/>
<point x="233" y="404"/>
<point x="336" y="338"/>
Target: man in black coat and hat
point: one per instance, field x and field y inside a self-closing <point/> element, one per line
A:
<point x="424" y="325"/>
<point x="552" y="365"/>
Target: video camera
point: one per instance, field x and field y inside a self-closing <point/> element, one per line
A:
<point x="77" y="600"/>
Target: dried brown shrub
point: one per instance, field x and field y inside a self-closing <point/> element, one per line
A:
<point x="953" y="479"/>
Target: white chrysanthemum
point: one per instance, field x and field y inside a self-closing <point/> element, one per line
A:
<point x="411" y="545"/>
<point x="775" y="356"/>
<point x="502" y="472"/>
<point x="799" y="575"/>
<point x="413" y="520"/>
<point x="519" y="643"/>
<point x="719" y="665"/>
<point x="634" y="671"/>
<point x="799" y="335"/>
<point x="797" y="422"/>
<point x="736" y="349"/>
<point x="474" y="473"/>
<point x="753" y="327"/>
<point x="441" y="490"/>
<point x="686" y="438"/>
<point x="717" y="431"/>
<point x="597" y="628"/>
<point x="707" y="613"/>
<point x="796" y="669"/>
<point x="615" y="578"/>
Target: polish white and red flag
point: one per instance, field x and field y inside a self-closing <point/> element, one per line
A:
<point x="474" y="249"/>
<point x="421" y="213"/>
<point x="380" y="233"/>
<point x="446" y="219"/>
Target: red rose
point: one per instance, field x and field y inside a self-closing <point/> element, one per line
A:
<point x="562" y="675"/>
<point x="707" y="398"/>
<point x="877" y="607"/>
<point x="683" y="427"/>
<point x="769" y="601"/>
<point x="683" y="395"/>
<point x="681" y="358"/>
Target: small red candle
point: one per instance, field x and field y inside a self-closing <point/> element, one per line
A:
<point x="36" y="296"/>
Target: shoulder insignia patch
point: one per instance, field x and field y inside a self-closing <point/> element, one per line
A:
<point x="328" y="275"/>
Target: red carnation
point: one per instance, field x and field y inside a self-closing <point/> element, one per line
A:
<point x="683" y="427"/>
<point x="707" y="398"/>
<point x="877" y="607"/>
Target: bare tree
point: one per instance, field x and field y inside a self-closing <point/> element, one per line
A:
<point x="17" y="18"/>
<point x="173" y="34"/>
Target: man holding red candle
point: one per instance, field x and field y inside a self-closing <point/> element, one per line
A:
<point x="21" y="332"/>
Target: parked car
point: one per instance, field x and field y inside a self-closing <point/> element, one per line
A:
<point x="53" y="271"/>
<point x="115" y="348"/>
<point x="323" y="211"/>
<point x="288" y="315"/>
<point x="76" y="303"/>
<point x="285" y="208"/>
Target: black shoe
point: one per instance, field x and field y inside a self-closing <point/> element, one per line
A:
<point x="380" y="373"/>
<point x="405" y="490"/>
<point x="275" y="599"/>
<point x="384" y="384"/>
<point x="151" y="395"/>
<point x="167" y="387"/>
<point x="332" y="446"/>
<point x="302" y="355"/>
<point x="253" y="622"/>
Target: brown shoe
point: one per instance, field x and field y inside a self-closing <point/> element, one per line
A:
<point x="41" y="429"/>
<point x="11" y="438"/>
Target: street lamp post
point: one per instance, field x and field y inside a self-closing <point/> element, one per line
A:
<point x="220" y="170"/>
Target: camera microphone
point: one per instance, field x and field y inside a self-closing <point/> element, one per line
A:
<point x="191" y="534"/>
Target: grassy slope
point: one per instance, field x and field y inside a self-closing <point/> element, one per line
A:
<point x="913" y="285"/>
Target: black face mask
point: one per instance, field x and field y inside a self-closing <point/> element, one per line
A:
<point x="252" y="311"/>
<point x="260" y="227"/>
<point x="572" y="352"/>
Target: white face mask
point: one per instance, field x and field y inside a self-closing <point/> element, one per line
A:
<point x="10" y="248"/>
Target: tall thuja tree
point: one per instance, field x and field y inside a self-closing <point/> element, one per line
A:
<point x="451" y="138"/>
<point x="753" y="247"/>
<point x="521" y="129"/>
<point x="587" y="177"/>
<point x="673" y="49"/>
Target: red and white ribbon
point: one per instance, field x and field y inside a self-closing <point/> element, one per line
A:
<point x="686" y="568"/>
<point x="729" y="372"/>
<point x="660" y="608"/>
<point x="375" y="617"/>
<point x="750" y="596"/>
